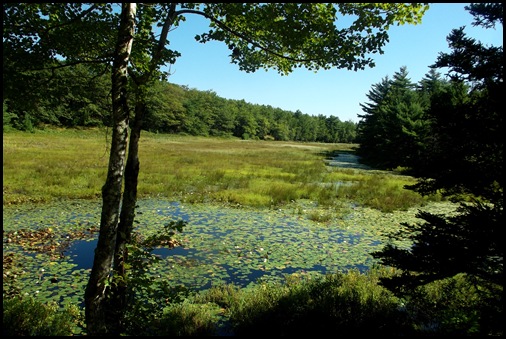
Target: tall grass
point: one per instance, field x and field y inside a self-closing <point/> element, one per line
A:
<point x="342" y="303"/>
<point x="62" y="164"/>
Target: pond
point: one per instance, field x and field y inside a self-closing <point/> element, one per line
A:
<point x="49" y="248"/>
<point x="219" y="244"/>
<point x="347" y="160"/>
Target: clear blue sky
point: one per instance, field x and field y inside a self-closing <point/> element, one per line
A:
<point x="332" y="92"/>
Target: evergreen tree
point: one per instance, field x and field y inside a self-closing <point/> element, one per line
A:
<point x="431" y="84"/>
<point x="371" y="127"/>
<point x="378" y="128"/>
<point x="464" y="159"/>
<point x="392" y="131"/>
<point x="409" y="126"/>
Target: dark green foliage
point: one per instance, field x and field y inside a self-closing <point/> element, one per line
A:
<point x="393" y="129"/>
<point x="204" y="113"/>
<point x="28" y="317"/>
<point x="463" y="159"/>
<point x="445" y="246"/>
<point x="453" y="306"/>
<point x="464" y="153"/>
<point x="40" y="87"/>
<point x="8" y="118"/>
<point x="165" y="110"/>
<point x="487" y="14"/>
<point x="70" y="97"/>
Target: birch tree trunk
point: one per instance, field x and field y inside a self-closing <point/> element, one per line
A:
<point x="127" y="215"/>
<point x="129" y="200"/>
<point x="96" y="315"/>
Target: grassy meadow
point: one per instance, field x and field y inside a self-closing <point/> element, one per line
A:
<point x="251" y="177"/>
<point x="69" y="164"/>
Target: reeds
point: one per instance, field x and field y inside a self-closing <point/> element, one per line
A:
<point x="63" y="164"/>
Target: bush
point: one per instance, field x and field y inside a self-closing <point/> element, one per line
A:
<point x="456" y="306"/>
<point x="348" y="304"/>
<point x="8" y="118"/>
<point x="29" y="317"/>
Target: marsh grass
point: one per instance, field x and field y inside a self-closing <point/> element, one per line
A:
<point x="62" y="164"/>
<point x="42" y="166"/>
<point x="65" y="164"/>
<point x="384" y="192"/>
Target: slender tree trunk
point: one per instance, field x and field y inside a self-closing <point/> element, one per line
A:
<point x="118" y="296"/>
<point x="127" y="216"/>
<point x="96" y="315"/>
<point x="131" y="179"/>
<point x="129" y="201"/>
<point x="132" y="166"/>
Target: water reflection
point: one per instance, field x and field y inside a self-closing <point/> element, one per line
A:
<point x="81" y="252"/>
<point x="347" y="160"/>
<point x="221" y="245"/>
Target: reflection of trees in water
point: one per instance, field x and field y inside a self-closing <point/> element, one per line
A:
<point x="346" y="160"/>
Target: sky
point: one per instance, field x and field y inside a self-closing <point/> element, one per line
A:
<point x="334" y="92"/>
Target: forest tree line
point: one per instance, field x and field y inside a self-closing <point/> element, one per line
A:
<point x="392" y="131"/>
<point x="76" y="97"/>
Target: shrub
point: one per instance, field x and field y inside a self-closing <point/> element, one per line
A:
<point x="29" y="317"/>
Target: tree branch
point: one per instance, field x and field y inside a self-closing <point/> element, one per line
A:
<point x="242" y="36"/>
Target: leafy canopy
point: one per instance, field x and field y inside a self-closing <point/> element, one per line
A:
<point x="284" y="36"/>
<point x="281" y="36"/>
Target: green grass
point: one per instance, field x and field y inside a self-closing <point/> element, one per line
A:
<point x="69" y="164"/>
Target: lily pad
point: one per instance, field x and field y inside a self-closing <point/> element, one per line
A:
<point x="218" y="245"/>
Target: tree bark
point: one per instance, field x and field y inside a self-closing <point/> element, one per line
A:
<point x="96" y="315"/>
<point x="127" y="216"/>
<point x="129" y="201"/>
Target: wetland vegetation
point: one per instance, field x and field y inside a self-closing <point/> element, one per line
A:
<point x="274" y="234"/>
<point x="262" y="224"/>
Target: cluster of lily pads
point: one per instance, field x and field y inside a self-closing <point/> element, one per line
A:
<point x="49" y="248"/>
